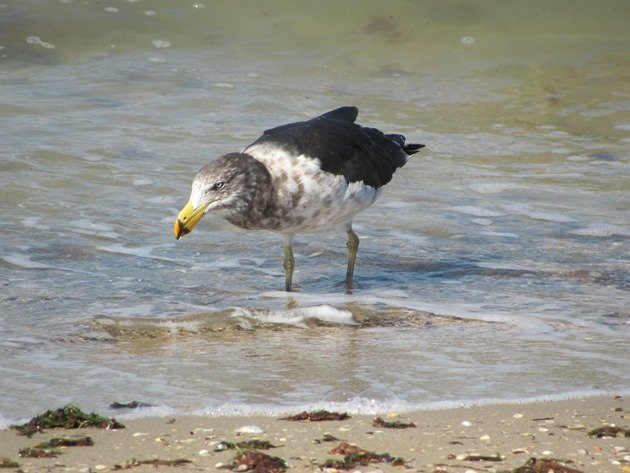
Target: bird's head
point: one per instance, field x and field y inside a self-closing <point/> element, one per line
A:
<point x="220" y="185"/>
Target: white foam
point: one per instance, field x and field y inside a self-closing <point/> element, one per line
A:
<point x="601" y="230"/>
<point x="141" y="252"/>
<point x="161" y="43"/>
<point x="149" y="411"/>
<point x="475" y="211"/>
<point x="85" y="226"/>
<point x="491" y="187"/>
<point x="368" y="402"/>
<point x="23" y="261"/>
<point x="298" y="316"/>
<point x="537" y="214"/>
<point x="137" y="310"/>
<point x="377" y="402"/>
<point x="501" y="234"/>
<point x="33" y="222"/>
<point x="532" y="323"/>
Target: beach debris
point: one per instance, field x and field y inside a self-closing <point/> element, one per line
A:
<point x="326" y="438"/>
<point x="128" y="405"/>
<point x="544" y="465"/>
<point x="518" y="451"/>
<point x="392" y="424"/>
<point x="478" y="457"/>
<point x="133" y="463"/>
<point x="249" y="429"/>
<point x="67" y="417"/>
<point x="354" y="456"/>
<point x="8" y="463"/>
<point x="609" y="431"/>
<point x="51" y="448"/>
<point x="245" y="445"/>
<point x="254" y="460"/>
<point x="55" y="442"/>
<point x="317" y="416"/>
<point x="31" y="452"/>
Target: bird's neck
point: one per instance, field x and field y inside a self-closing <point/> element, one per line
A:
<point x="256" y="195"/>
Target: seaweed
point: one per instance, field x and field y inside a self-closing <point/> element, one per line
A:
<point x="153" y="462"/>
<point x="609" y="431"/>
<point x="317" y="416"/>
<point x="67" y="417"/>
<point x="32" y="452"/>
<point x="128" y="405"/>
<point x="396" y="424"/>
<point x="544" y="465"/>
<point x="52" y="447"/>
<point x="354" y="456"/>
<point x="326" y="438"/>
<point x="259" y="462"/>
<point x="8" y="463"/>
<point x="81" y="441"/>
<point x="245" y="445"/>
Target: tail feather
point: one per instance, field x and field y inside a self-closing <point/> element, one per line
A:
<point x="410" y="148"/>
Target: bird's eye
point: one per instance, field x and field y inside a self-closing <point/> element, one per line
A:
<point x="218" y="185"/>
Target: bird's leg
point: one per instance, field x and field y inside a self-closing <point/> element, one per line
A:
<point x="353" y="246"/>
<point x="289" y="264"/>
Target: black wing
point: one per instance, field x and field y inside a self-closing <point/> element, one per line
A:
<point x="344" y="147"/>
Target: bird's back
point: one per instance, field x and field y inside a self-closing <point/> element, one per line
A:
<point x="359" y="154"/>
<point x="325" y="170"/>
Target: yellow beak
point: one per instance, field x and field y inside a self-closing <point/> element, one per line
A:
<point x="187" y="219"/>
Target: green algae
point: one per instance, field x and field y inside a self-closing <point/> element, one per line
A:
<point x="317" y="416"/>
<point x="67" y="417"/>
<point x="128" y="405"/>
<point x="609" y="431"/>
<point x="82" y="441"/>
<point x="52" y="448"/>
<point x="245" y="445"/>
<point x="544" y="465"/>
<point x="396" y="424"/>
<point x="32" y="452"/>
<point x="133" y="463"/>
<point x="8" y="463"/>
<point x="259" y="462"/>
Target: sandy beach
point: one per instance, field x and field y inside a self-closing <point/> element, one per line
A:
<point x="480" y="438"/>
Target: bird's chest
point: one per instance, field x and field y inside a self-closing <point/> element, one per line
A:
<point x="304" y="199"/>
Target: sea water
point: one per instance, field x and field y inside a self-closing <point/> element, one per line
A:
<point x="494" y="266"/>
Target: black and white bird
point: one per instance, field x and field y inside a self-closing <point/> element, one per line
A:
<point x="304" y="177"/>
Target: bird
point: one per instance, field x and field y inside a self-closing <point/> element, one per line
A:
<point x="304" y="177"/>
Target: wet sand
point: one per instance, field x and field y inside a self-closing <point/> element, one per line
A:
<point x="441" y="440"/>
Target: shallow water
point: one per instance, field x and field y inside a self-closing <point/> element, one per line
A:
<point x="493" y="267"/>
